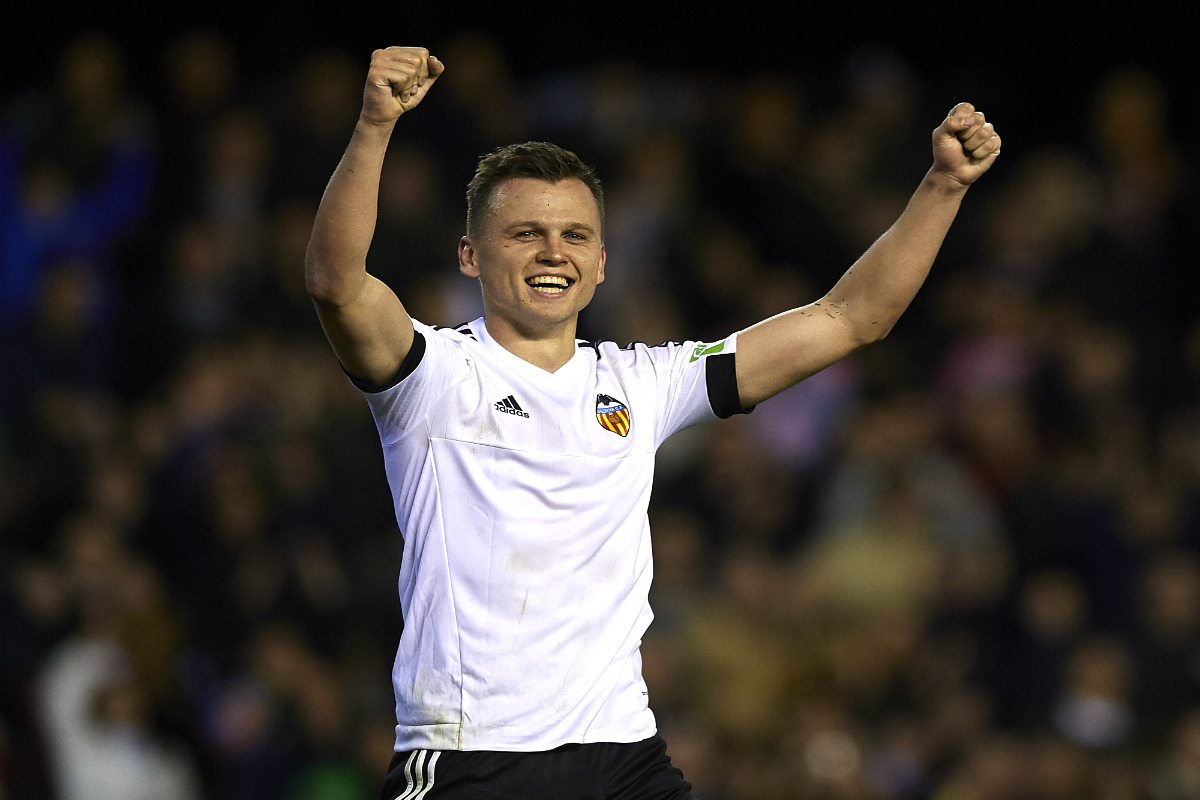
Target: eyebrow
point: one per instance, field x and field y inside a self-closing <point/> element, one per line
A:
<point x="570" y="226"/>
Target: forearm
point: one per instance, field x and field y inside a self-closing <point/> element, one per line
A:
<point x="336" y="261"/>
<point x="875" y="291"/>
<point x="867" y="301"/>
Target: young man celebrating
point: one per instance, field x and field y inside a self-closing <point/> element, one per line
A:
<point x="521" y="459"/>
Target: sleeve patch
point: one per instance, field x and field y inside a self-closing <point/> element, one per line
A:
<point x="707" y="349"/>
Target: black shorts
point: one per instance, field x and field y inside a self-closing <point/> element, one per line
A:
<point x="601" y="771"/>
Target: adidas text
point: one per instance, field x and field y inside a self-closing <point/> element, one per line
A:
<point x="509" y="405"/>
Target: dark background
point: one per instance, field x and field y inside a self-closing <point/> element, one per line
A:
<point x="159" y="451"/>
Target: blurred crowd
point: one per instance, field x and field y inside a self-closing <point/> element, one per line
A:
<point x="963" y="564"/>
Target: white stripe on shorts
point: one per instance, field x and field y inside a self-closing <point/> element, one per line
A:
<point x="418" y="780"/>
<point x="432" y="762"/>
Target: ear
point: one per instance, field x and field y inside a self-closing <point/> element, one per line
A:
<point x="600" y="270"/>
<point x="466" y="258"/>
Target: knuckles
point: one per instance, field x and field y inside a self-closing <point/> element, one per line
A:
<point x="399" y="57"/>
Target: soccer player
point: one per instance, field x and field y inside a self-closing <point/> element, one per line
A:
<point x="520" y="458"/>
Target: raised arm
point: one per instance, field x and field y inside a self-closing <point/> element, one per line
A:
<point x="867" y="301"/>
<point x="363" y="319"/>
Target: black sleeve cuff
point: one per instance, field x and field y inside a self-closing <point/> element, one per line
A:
<point x="407" y="367"/>
<point x="720" y="375"/>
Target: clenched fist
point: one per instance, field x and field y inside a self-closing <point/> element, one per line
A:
<point x="965" y="145"/>
<point x="397" y="81"/>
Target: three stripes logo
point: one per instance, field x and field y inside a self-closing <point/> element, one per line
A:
<point x="509" y="405"/>
<point x="418" y="774"/>
<point x="612" y="414"/>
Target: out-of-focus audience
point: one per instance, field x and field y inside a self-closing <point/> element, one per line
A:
<point x="963" y="564"/>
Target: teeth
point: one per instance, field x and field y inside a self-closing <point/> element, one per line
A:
<point x="552" y="284"/>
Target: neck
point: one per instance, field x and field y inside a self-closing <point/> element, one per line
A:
<point x="545" y="350"/>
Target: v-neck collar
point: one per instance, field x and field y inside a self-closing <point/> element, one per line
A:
<point x="527" y="369"/>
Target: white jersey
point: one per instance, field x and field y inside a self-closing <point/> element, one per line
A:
<point x="522" y="498"/>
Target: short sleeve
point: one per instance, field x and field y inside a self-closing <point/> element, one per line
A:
<point x="433" y="364"/>
<point x="698" y="382"/>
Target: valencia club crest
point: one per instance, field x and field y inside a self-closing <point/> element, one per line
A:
<point x="612" y="414"/>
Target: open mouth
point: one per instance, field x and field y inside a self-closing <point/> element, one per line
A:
<point x="549" y="284"/>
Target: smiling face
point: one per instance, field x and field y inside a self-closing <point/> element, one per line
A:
<point x="538" y="257"/>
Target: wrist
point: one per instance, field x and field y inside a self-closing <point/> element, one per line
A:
<point x="944" y="183"/>
<point x="374" y="129"/>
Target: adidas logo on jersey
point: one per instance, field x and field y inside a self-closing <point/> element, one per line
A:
<point x="509" y="405"/>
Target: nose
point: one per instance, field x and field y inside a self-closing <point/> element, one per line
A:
<point x="552" y="250"/>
